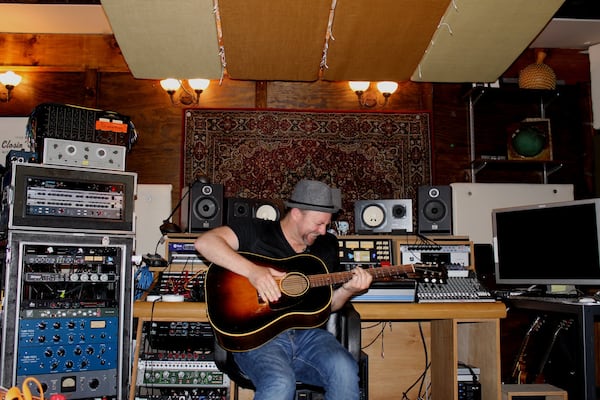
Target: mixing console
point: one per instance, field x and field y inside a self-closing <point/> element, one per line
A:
<point x="457" y="289"/>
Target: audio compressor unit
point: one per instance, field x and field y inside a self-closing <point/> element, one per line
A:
<point x="84" y="154"/>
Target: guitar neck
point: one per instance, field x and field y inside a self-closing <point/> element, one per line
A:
<point x="342" y="277"/>
<point x="518" y="372"/>
<point x="563" y="325"/>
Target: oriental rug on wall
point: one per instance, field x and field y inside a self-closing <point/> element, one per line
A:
<point x="261" y="154"/>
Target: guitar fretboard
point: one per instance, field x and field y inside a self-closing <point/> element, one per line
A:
<point x="342" y="277"/>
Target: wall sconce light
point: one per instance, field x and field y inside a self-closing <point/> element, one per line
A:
<point x="190" y="91"/>
<point x="366" y="99"/>
<point x="9" y="80"/>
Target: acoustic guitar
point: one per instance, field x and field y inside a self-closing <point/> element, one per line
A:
<point x="242" y="320"/>
<point x="519" y="371"/>
<point x="563" y="325"/>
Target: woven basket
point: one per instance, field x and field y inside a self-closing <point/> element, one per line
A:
<point x="537" y="75"/>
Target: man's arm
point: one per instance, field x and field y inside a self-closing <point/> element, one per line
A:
<point x="220" y="245"/>
<point x="361" y="280"/>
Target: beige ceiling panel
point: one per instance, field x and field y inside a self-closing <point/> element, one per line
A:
<point x="377" y="40"/>
<point x="165" y="38"/>
<point x="274" y="40"/>
<point x="477" y="40"/>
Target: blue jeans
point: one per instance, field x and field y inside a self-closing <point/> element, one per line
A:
<point x="311" y="356"/>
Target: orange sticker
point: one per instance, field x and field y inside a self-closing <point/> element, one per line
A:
<point x="110" y="126"/>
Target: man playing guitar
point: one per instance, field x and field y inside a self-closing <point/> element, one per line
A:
<point x="303" y="353"/>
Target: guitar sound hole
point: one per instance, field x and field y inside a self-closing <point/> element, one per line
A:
<point x="294" y="284"/>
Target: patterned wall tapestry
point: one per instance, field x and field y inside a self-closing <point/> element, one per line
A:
<point x="261" y="154"/>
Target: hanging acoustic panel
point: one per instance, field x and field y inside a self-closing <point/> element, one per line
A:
<point x="274" y="40"/>
<point x="477" y="40"/>
<point x="378" y="40"/>
<point x="164" y="38"/>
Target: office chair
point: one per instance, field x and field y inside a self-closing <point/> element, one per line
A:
<point x="344" y="324"/>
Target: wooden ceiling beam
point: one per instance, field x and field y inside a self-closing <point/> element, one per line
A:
<point x="51" y="1"/>
<point x="60" y="53"/>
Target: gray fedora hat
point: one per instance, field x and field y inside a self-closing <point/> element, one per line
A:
<point x="313" y="195"/>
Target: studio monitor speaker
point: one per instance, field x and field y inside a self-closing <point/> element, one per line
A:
<point x="435" y="210"/>
<point x="242" y="208"/>
<point x="204" y="208"/>
<point x="383" y="216"/>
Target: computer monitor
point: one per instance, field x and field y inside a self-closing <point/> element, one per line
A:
<point x="553" y="244"/>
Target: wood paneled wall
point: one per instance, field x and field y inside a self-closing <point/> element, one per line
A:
<point x="89" y="70"/>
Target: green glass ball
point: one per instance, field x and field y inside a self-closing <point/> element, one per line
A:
<point x="528" y="142"/>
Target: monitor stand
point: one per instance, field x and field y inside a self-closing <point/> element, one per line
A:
<point x="561" y="290"/>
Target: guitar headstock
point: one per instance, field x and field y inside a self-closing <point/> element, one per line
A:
<point x="537" y="324"/>
<point x="565" y="324"/>
<point x="429" y="273"/>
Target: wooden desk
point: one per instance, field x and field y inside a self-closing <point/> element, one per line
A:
<point x="186" y="311"/>
<point x="469" y="332"/>
<point x="194" y="311"/>
<point x="429" y="311"/>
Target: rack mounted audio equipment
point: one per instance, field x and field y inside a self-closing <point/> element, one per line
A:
<point x="178" y="356"/>
<point x="66" y="313"/>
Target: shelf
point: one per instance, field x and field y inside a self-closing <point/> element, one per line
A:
<point x="514" y="95"/>
<point x="545" y="391"/>
<point x="547" y="168"/>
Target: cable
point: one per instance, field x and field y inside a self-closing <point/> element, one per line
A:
<point x="159" y="242"/>
<point x="473" y="374"/>
<point x="146" y="341"/>
<point x="426" y="358"/>
<point x="380" y="334"/>
<point x="421" y="378"/>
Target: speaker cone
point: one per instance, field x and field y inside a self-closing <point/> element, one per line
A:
<point x="241" y="209"/>
<point x="267" y="211"/>
<point x="373" y="216"/>
<point x="207" y="190"/>
<point x="206" y="208"/>
<point x="398" y="211"/>
<point x="434" y="210"/>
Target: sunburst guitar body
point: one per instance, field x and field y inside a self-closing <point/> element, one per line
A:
<point x="242" y="320"/>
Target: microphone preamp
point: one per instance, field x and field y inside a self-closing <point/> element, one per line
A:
<point x="180" y="373"/>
